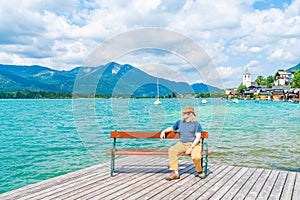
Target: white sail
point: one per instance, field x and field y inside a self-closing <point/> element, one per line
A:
<point x="157" y="101"/>
<point x="235" y="100"/>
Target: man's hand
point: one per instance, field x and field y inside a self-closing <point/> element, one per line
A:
<point x="162" y="135"/>
<point x="189" y="150"/>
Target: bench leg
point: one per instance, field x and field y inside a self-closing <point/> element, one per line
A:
<point x="206" y="160"/>
<point x="201" y="162"/>
<point x="112" y="159"/>
<point x="112" y="163"/>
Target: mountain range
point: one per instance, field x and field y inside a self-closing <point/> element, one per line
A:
<point x="295" y="68"/>
<point x="110" y="79"/>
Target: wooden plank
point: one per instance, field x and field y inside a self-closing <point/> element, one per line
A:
<point x="155" y="183"/>
<point x="204" y="134"/>
<point x="278" y="187"/>
<point x="143" y="177"/>
<point x="140" y="185"/>
<point x="137" y="192"/>
<point x="91" y="190"/>
<point x="253" y="193"/>
<point x="248" y="185"/>
<point x="267" y="188"/>
<point x="101" y="174"/>
<point x="222" y="170"/>
<point x="223" y="190"/>
<point x="239" y="184"/>
<point x="150" y="152"/>
<point x="296" y="192"/>
<point x="289" y="186"/>
<point x="131" y="181"/>
<point x="212" y="187"/>
<point x="140" y="134"/>
<point x="158" y="187"/>
<point x="38" y="187"/>
<point x="200" y="190"/>
<point x="95" y="189"/>
<point x="188" y="187"/>
<point x="81" y="189"/>
<point x="173" y="190"/>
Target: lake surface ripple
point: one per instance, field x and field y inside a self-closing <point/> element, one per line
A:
<point x="41" y="139"/>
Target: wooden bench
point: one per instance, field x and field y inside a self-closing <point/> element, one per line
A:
<point x="151" y="152"/>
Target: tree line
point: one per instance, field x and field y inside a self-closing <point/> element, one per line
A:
<point x="269" y="81"/>
<point x="296" y="80"/>
<point x="35" y="95"/>
<point x="69" y="95"/>
<point x="47" y="95"/>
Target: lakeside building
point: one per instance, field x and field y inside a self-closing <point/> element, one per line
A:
<point x="282" y="90"/>
<point x="276" y="93"/>
<point x="296" y="95"/>
<point x="230" y="92"/>
<point x="265" y="95"/>
<point x="247" y="81"/>
<point x="283" y="78"/>
<point x="247" y="78"/>
<point x="185" y="96"/>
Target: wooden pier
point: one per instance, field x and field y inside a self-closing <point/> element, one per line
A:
<point x="143" y="177"/>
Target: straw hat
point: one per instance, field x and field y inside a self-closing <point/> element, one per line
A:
<point x="188" y="109"/>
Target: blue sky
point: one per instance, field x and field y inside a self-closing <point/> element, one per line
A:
<point x="263" y="35"/>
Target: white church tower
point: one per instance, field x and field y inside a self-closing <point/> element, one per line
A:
<point x="247" y="78"/>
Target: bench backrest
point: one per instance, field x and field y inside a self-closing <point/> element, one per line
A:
<point x="139" y="134"/>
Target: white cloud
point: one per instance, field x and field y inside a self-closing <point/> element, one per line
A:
<point x="145" y="7"/>
<point x="277" y="54"/>
<point x="208" y="15"/>
<point x="287" y="50"/>
<point x="62" y="34"/>
<point x="231" y="76"/>
<point x="252" y="63"/>
<point x="293" y="9"/>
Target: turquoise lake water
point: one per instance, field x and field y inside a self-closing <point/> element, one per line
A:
<point x="41" y="139"/>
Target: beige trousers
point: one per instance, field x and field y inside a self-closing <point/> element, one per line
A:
<point x="181" y="147"/>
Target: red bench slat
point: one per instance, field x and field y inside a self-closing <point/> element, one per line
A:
<point x="154" y="152"/>
<point x="137" y="134"/>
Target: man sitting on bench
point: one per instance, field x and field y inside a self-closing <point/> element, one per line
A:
<point x="190" y="134"/>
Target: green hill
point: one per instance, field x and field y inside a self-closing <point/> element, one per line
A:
<point x="109" y="79"/>
<point x="295" y="68"/>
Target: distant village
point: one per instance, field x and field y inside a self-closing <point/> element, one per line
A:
<point x="281" y="90"/>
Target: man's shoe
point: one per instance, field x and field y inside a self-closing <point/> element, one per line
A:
<point x="173" y="176"/>
<point x="201" y="175"/>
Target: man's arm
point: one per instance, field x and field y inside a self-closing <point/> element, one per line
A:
<point x="163" y="133"/>
<point x="195" y="143"/>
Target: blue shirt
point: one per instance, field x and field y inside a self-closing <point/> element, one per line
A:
<point x="187" y="130"/>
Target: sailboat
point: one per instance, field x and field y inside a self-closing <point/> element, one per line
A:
<point x="235" y="100"/>
<point x="157" y="101"/>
